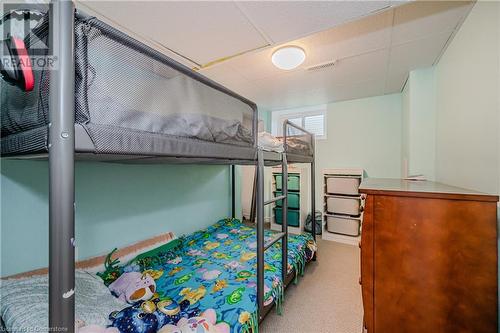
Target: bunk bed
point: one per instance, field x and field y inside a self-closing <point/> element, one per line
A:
<point x="112" y="98"/>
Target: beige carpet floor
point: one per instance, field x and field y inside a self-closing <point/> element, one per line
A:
<point x="327" y="299"/>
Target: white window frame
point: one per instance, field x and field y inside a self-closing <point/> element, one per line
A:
<point x="278" y="117"/>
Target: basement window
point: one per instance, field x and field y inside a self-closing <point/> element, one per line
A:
<point x="312" y="119"/>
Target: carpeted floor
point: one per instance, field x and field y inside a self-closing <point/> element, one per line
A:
<point x="327" y="298"/>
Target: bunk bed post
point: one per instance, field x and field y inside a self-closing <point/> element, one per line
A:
<point x="233" y="191"/>
<point x="255" y="129"/>
<point x="284" y="208"/>
<point x="260" y="232"/>
<point x="61" y="169"/>
<point x="313" y="189"/>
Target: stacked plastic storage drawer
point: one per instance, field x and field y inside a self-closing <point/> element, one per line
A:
<point x="293" y="216"/>
<point x="343" y="204"/>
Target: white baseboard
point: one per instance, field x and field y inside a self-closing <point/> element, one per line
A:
<point x="340" y="238"/>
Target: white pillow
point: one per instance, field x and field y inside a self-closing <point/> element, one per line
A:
<point x="24" y="302"/>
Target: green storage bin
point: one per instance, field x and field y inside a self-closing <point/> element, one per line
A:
<point x="293" y="182"/>
<point x="293" y="200"/>
<point x="292" y="217"/>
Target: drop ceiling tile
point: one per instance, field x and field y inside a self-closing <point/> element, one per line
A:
<point x="255" y="65"/>
<point x="368" y="64"/>
<point x="202" y="31"/>
<point x="420" y="19"/>
<point x="395" y="82"/>
<point x="231" y="80"/>
<point x="274" y="100"/>
<point x="358" y="90"/>
<point x="274" y="91"/>
<point x="361" y="67"/>
<point x="358" y="37"/>
<point x="282" y="21"/>
<point x="416" y="54"/>
<point x="221" y="75"/>
<point x="368" y="34"/>
<point x="395" y="3"/>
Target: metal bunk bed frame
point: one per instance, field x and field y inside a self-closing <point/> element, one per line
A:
<point x="61" y="156"/>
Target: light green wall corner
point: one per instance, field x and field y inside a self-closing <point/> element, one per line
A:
<point x="468" y="104"/>
<point x="419" y="124"/>
<point x="362" y="133"/>
<point x="451" y="112"/>
<point x="116" y="204"/>
<point x="265" y="116"/>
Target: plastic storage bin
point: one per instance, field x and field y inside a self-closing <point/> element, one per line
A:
<point x="293" y="200"/>
<point x="342" y="185"/>
<point x="292" y="217"/>
<point x="342" y="225"/>
<point x="343" y="205"/>
<point x="293" y="182"/>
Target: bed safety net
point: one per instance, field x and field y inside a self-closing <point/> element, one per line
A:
<point x="129" y="99"/>
<point x="298" y="142"/>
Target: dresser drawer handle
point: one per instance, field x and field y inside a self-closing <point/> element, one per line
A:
<point x="359" y="281"/>
<point x="359" y="244"/>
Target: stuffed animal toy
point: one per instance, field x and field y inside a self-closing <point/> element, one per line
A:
<point x="150" y="316"/>
<point x="134" y="320"/>
<point x="133" y="287"/>
<point x="80" y="327"/>
<point x="79" y="324"/>
<point x="205" y="323"/>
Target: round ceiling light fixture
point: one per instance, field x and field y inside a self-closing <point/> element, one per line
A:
<point x="288" y="57"/>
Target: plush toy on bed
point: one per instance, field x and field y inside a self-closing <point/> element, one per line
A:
<point x="150" y="316"/>
<point x="133" y="287"/>
<point x="205" y="323"/>
<point x="82" y="327"/>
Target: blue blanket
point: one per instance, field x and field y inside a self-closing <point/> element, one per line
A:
<point x="216" y="268"/>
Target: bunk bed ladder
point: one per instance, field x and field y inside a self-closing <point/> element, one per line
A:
<point x="283" y="235"/>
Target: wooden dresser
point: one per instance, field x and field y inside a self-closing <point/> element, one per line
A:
<point x="428" y="258"/>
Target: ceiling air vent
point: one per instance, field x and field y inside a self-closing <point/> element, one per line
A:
<point x="322" y="65"/>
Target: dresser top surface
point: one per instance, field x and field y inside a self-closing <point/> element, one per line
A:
<point x="401" y="187"/>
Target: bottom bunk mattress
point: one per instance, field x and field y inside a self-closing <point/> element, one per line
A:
<point x="24" y="302"/>
<point x="213" y="269"/>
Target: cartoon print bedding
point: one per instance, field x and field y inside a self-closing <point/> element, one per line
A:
<point x="214" y="268"/>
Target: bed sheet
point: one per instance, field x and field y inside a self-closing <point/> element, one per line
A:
<point x="216" y="268"/>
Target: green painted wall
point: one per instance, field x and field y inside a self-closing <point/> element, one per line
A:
<point x="116" y="204"/>
<point x="468" y="103"/>
<point x="362" y="133"/>
<point x="451" y="111"/>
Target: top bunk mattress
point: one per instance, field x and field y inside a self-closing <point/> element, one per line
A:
<point x="129" y="98"/>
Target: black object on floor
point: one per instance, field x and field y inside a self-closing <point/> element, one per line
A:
<point x="308" y="226"/>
